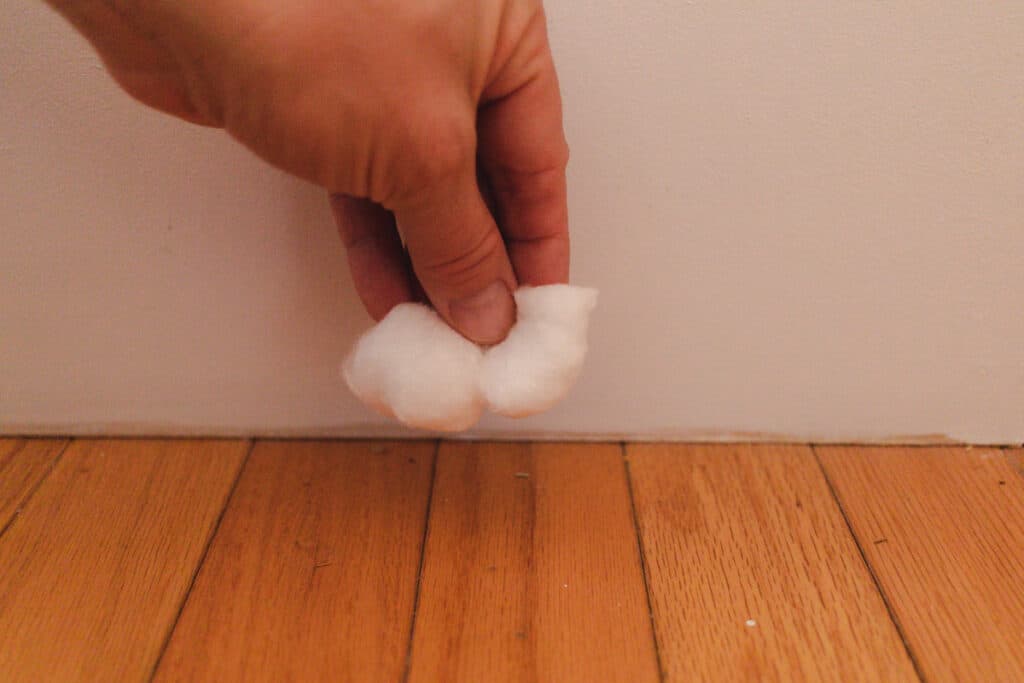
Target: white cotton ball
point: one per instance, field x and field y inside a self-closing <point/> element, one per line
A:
<point x="539" y="361"/>
<point x="416" y="368"/>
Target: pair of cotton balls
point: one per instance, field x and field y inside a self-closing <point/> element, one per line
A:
<point x="412" y="366"/>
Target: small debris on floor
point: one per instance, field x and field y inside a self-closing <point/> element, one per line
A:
<point x="523" y="475"/>
<point x="881" y="541"/>
<point x="751" y="623"/>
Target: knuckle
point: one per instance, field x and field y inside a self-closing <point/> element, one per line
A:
<point x="535" y="186"/>
<point x="439" y="149"/>
<point x="464" y="264"/>
<point x="446" y="153"/>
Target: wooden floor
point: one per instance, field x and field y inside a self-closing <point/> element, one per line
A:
<point x="134" y="560"/>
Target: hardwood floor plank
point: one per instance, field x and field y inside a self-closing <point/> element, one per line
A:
<point x="752" y="570"/>
<point x="1016" y="458"/>
<point x="94" y="571"/>
<point x="943" y="529"/>
<point x="532" y="570"/>
<point x="23" y="465"/>
<point x="312" y="574"/>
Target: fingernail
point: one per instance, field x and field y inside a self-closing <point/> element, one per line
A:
<point x="485" y="317"/>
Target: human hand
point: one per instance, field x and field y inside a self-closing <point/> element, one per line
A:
<point x="395" y="107"/>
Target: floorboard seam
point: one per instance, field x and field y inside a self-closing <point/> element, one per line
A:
<point x="201" y="562"/>
<point x="643" y="559"/>
<point x="423" y="556"/>
<point x="27" y="498"/>
<point x="871" y="570"/>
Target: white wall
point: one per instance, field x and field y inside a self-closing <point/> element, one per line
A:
<point x="806" y="220"/>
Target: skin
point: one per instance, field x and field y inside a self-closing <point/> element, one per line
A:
<point x="401" y="109"/>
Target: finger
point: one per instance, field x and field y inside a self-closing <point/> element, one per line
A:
<point x="378" y="262"/>
<point x="458" y="255"/>
<point x="524" y="154"/>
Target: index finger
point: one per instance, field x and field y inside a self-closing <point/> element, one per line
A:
<point x="523" y="154"/>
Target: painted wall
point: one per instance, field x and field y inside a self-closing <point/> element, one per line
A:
<point x="806" y="219"/>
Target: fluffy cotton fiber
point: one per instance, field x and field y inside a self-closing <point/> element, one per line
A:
<point x="414" y="367"/>
<point x="543" y="354"/>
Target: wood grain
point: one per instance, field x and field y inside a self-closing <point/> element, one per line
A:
<point x="1016" y="458"/>
<point x="94" y="571"/>
<point x="943" y="529"/>
<point x="752" y="570"/>
<point x="23" y="465"/>
<point x="312" y="575"/>
<point x="532" y="570"/>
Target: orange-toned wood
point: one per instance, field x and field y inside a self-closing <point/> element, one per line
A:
<point x="532" y="571"/>
<point x="23" y="465"/>
<point x="312" y="575"/>
<point x="1016" y="458"/>
<point x="95" y="569"/>
<point x="943" y="529"/>
<point x="753" y="573"/>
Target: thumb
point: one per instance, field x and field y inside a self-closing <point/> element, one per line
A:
<point x="459" y="257"/>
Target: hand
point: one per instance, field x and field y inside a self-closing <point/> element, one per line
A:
<point x="395" y="107"/>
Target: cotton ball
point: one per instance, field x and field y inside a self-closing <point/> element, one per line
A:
<point x="414" y="367"/>
<point x="539" y="361"/>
